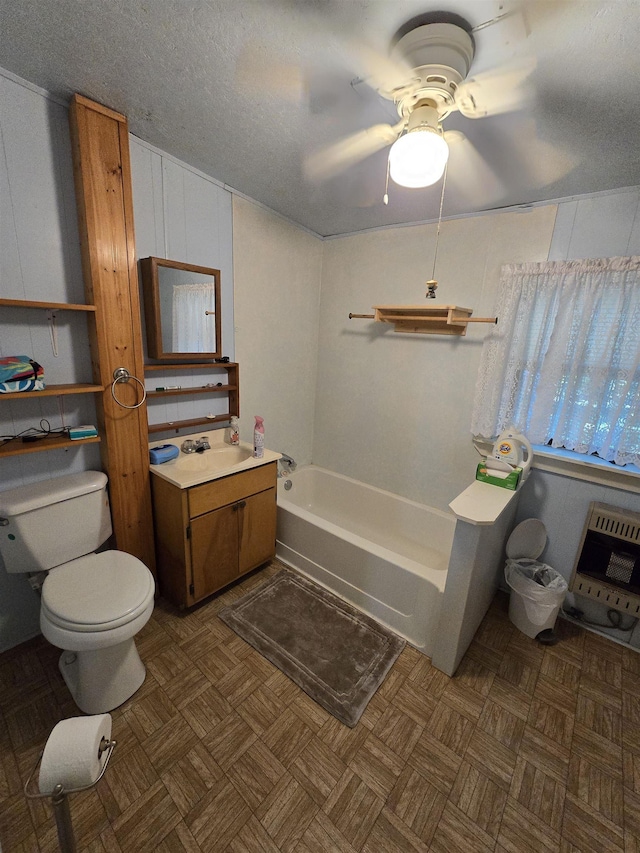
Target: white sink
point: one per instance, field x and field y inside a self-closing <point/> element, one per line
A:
<point x="191" y="469"/>
<point x="216" y="459"/>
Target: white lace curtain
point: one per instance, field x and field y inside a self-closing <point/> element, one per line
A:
<point x="563" y="365"/>
<point x="193" y="329"/>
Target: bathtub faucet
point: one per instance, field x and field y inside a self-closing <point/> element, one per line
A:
<point x="288" y="464"/>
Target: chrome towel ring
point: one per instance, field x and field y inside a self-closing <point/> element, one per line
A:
<point x="121" y="374"/>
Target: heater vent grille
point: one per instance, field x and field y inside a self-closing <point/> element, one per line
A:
<point x="614" y="524"/>
<point x="612" y="598"/>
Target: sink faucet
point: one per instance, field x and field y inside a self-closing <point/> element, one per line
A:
<point x="197" y="446"/>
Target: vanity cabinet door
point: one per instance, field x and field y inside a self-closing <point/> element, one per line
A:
<point x="214" y="550"/>
<point x="257" y="529"/>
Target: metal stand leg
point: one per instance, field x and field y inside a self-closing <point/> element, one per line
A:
<point x="62" y="813"/>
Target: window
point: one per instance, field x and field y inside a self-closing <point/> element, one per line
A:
<point x="563" y="364"/>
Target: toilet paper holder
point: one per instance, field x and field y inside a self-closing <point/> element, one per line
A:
<point x="59" y="799"/>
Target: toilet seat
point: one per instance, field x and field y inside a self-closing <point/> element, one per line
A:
<point x="97" y="592"/>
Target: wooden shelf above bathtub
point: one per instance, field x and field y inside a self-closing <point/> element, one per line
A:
<point x="425" y="319"/>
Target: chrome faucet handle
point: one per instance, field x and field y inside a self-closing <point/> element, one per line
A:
<point x="203" y="443"/>
<point x="188" y="446"/>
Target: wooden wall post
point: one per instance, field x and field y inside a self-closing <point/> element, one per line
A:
<point x="102" y="174"/>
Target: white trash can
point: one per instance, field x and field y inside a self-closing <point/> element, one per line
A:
<point x="537" y="593"/>
<point x="537" y="590"/>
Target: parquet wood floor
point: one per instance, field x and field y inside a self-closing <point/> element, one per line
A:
<point x="527" y="749"/>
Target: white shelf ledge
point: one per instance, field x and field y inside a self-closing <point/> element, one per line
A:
<point x="481" y="503"/>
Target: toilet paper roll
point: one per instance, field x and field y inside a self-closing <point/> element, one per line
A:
<point x="72" y="756"/>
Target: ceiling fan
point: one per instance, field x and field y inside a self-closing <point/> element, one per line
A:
<point x="426" y="76"/>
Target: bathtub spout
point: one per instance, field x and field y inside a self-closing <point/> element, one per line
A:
<point x="288" y="465"/>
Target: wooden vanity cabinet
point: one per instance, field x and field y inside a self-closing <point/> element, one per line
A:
<point x="209" y="535"/>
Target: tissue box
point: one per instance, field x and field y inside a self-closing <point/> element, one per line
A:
<point x="485" y="475"/>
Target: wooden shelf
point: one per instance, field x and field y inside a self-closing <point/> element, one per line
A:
<point x="178" y="425"/>
<point x="222" y="389"/>
<point x="52" y="306"/>
<point x="232" y="390"/>
<point x="199" y="365"/>
<point x="53" y="391"/>
<point x="425" y="319"/>
<point x="17" y="447"/>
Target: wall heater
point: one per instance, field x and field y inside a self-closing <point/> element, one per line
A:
<point x="607" y="567"/>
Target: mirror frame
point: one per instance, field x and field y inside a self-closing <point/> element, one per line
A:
<point x="153" y="319"/>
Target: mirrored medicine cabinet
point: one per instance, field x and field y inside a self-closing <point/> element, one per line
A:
<point x="182" y="310"/>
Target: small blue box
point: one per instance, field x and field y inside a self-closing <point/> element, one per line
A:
<point x="86" y="431"/>
<point x="163" y="453"/>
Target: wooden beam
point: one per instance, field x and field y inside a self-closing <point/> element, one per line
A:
<point x="102" y="174"/>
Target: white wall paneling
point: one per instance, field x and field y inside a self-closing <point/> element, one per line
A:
<point x="561" y="503"/>
<point x="277" y="269"/>
<point x="182" y="215"/>
<point x="39" y="260"/>
<point x="40" y="257"/>
<point x="602" y="226"/>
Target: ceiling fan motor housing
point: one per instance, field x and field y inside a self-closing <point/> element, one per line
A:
<point x="440" y="56"/>
<point x="425" y="115"/>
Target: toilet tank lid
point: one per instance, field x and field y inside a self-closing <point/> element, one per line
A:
<point x="36" y="495"/>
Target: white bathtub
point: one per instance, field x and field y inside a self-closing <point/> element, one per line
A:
<point x="386" y="555"/>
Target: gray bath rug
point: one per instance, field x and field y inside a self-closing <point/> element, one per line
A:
<point x="335" y="653"/>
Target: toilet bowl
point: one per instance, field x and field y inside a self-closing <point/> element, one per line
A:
<point x="92" y="604"/>
<point x="92" y="608"/>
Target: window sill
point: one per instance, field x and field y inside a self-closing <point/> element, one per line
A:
<point x="588" y="468"/>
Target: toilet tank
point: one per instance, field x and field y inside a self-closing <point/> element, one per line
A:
<point x="49" y="523"/>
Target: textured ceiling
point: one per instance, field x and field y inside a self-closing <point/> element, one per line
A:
<point x="244" y="91"/>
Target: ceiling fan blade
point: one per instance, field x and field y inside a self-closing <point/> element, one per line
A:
<point x="385" y="74"/>
<point x="546" y="162"/>
<point x="259" y="69"/>
<point x="470" y="173"/>
<point x="334" y="159"/>
<point x="497" y="91"/>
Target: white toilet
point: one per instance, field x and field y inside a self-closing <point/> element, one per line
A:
<point x="92" y="604"/>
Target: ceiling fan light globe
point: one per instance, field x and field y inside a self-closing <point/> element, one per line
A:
<point x="418" y="158"/>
